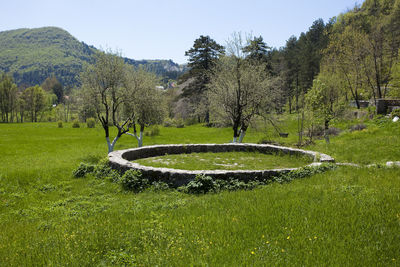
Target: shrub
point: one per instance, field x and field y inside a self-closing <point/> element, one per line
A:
<point x="75" y="124"/>
<point x="168" y="122"/>
<point x="153" y="131"/>
<point x="179" y="123"/>
<point x="395" y="112"/>
<point x="159" y="186"/>
<point x="59" y="124"/>
<point x="357" y="127"/>
<point x="82" y="170"/>
<point x="318" y="131"/>
<point x="91" y="123"/>
<point x="103" y="171"/>
<point x="132" y="180"/>
<point x="235" y="184"/>
<point x="201" y="184"/>
<point x="302" y="172"/>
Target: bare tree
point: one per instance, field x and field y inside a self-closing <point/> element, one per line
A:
<point x="239" y="88"/>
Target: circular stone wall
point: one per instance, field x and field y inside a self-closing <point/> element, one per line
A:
<point x="121" y="160"/>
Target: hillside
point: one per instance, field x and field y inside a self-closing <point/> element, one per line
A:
<point x="32" y="55"/>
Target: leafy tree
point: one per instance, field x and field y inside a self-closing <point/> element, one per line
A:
<point x="34" y="99"/>
<point x="395" y="90"/>
<point x="8" y="98"/>
<point x="144" y="101"/>
<point x="202" y="58"/>
<point x="347" y="53"/>
<point x="105" y="88"/>
<point x="325" y="99"/>
<point x="51" y="84"/>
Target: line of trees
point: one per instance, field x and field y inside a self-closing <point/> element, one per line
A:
<point x="15" y="104"/>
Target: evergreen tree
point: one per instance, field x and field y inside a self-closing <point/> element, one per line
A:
<point x="202" y="58"/>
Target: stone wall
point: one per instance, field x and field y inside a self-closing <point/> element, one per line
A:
<point x="121" y="159"/>
<point x="383" y="105"/>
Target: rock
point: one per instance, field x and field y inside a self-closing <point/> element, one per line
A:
<point x="393" y="163"/>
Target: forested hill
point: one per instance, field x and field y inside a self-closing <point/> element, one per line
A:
<point x="32" y="55"/>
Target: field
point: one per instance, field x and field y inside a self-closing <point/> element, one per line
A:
<point x="347" y="216"/>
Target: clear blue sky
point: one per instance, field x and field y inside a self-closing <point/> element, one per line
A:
<point x="165" y="29"/>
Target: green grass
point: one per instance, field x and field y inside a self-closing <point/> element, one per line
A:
<point x="349" y="216"/>
<point x="226" y="161"/>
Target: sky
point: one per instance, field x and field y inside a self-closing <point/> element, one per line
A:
<point x="157" y="29"/>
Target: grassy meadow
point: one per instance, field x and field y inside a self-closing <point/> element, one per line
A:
<point x="346" y="216"/>
<point x="226" y="161"/>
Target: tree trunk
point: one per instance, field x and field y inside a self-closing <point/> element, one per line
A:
<point x="111" y="145"/>
<point x="242" y="135"/>
<point x="326" y="134"/>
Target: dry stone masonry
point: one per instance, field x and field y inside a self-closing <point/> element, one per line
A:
<point x="121" y="160"/>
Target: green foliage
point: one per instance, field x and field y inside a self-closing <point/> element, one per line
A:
<point x="75" y="124"/>
<point x="59" y="124"/>
<point x="132" y="180"/>
<point x="153" y="131"/>
<point x="91" y="123"/>
<point x="82" y="170"/>
<point x="178" y="123"/>
<point x="8" y="98"/>
<point x="395" y="112"/>
<point x="202" y="184"/>
<point x="303" y="172"/>
<point x="34" y="100"/>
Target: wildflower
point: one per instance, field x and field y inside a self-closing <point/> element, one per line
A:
<point x="252" y="253"/>
<point x="288" y="237"/>
<point x="267" y="242"/>
<point x="283" y="250"/>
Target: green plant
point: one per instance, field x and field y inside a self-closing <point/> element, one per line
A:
<point x="59" y="124"/>
<point x="132" y="180"/>
<point x="395" y="112"/>
<point x="82" y="170"/>
<point x="91" y="123"/>
<point x="201" y="184"/>
<point x="75" y="124"/>
<point x="153" y="131"/>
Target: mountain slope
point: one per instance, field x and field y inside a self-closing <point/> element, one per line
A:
<point x="32" y="55"/>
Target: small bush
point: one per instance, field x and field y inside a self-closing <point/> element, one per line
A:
<point x="318" y="131"/>
<point x="235" y="184"/>
<point x="153" y="131"/>
<point x="91" y="123"/>
<point x="132" y="180"/>
<point x="179" y="123"/>
<point x="159" y="186"/>
<point x="59" y="124"/>
<point x="201" y="184"/>
<point x="102" y="169"/>
<point x="82" y="170"/>
<point x="168" y="122"/>
<point x="75" y="124"/>
<point x="358" y="127"/>
<point x="395" y="112"/>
